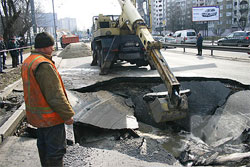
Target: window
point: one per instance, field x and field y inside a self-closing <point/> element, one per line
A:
<point x="230" y="35"/>
<point x="229" y="6"/>
<point x="191" y="34"/>
<point x="240" y="34"/>
<point x="104" y="24"/>
<point x="229" y="21"/>
<point x="228" y="14"/>
<point x="221" y="7"/>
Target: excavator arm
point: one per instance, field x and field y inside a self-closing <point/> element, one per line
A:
<point x="165" y="106"/>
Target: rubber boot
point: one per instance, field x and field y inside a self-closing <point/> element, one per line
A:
<point x="55" y="162"/>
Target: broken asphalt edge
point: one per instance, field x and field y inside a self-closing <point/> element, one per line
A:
<point x="9" y="127"/>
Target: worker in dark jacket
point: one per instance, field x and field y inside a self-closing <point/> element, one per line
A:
<point x="14" y="53"/>
<point x="46" y="102"/>
<point x="2" y="55"/>
<point x="199" y="44"/>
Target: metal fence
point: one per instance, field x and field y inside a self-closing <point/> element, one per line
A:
<point x="209" y="47"/>
<point x="7" y="50"/>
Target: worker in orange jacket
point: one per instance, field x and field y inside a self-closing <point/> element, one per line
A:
<point x="47" y="105"/>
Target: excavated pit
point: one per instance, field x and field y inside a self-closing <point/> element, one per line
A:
<point x="192" y="140"/>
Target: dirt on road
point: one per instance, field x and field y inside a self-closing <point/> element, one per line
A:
<point x="9" y="77"/>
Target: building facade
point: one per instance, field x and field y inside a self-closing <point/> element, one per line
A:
<point x="68" y="24"/>
<point x="234" y="15"/>
<point x="158" y="16"/>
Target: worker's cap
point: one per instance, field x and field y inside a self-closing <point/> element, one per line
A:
<point x="44" y="40"/>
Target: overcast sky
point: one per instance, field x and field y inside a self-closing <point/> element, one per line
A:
<point x="82" y="10"/>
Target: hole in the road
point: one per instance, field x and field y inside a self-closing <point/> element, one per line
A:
<point x="209" y="103"/>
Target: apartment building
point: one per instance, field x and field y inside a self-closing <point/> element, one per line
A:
<point x="234" y="15"/>
<point x="158" y="16"/>
<point x="68" y="24"/>
<point x="179" y="14"/>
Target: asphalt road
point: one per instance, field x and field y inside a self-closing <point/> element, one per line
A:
<point x="77" y="73"/>
<point x="228" y="65"/>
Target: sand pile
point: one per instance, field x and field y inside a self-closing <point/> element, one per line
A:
<point x="75" y="50"/>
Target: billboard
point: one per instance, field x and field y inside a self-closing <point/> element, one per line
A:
<point x="206" y="13"/>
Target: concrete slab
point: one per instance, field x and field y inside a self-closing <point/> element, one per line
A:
<point x="106" y="110"/>
<point x="230" y="120"/>
<point x="19" y="151"/>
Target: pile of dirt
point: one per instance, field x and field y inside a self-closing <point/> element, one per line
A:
<point x="75" y="50"/>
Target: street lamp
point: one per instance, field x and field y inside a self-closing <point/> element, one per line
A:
<point x="54" y="23"/>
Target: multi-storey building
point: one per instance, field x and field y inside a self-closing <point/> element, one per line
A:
<point x="234" y="15"/>
<point x="68" y="24"/>
<point x="179" y="14"/>
<point x="158" y="15"/>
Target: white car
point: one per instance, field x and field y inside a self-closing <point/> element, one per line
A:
<point x="185" y="36"/>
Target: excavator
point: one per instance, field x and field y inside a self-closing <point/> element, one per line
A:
<point x="127" y="37"/>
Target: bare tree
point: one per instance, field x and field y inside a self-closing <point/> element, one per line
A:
<point x="218" y="31"/>
<point x="15" y="17"/>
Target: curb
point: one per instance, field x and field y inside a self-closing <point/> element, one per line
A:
<point x="6" y="91"/>
<point x="9" y="127"/>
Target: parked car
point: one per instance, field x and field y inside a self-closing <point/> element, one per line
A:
<point x="159" y="38"/>
<point x="185" y="36"/>
<point x="209" y="13"/>
<point x="237" y="38"/>
<point x="169" y="39"/>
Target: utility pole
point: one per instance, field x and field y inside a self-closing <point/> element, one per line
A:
<point x="54" y="23"/>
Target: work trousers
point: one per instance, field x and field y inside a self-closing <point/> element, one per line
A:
<point x="15" y="60"/>
<point x="199" y="50"/>
<point x="21" y="56"/>
<point x="4" y="59"/>
<point x="1" y="65"/>
<point x="51" y="144"/>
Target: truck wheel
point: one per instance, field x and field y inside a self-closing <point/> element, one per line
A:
<point x="152" y="66"/>
<point x="104" y="69"/>
<point x="94" y="61"/>
<point x="100" y="57"/>
<point x="140" y="63"/>
<point x="98" y="54"/>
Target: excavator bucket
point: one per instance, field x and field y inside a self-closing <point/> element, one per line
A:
<point x="163" y="110"/>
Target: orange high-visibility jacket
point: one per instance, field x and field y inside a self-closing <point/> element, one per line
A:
<point x="38" y="112"/>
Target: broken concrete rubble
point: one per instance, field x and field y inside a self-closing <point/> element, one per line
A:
<point x="108" y="111"/>
<point x="231" y="120"/>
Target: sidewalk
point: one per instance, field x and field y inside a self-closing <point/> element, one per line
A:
<point x="18" y="151"/>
